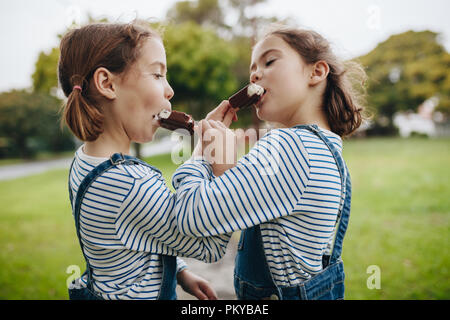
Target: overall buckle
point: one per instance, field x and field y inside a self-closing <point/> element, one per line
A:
<point x="117" y="158"/>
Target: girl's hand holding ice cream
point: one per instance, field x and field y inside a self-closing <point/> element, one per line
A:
<point x="217" y="143"/>
<point x="223" y="113"/>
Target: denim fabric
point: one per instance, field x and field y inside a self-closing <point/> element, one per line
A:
<point x="169" y="264"/>
<point x="169" y="278"/>
<point x="252" y="277"/>
<point x="78" y="292"/>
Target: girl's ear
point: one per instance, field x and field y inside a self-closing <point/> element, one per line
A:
<point x="103" y="81"/>
<point x="319" y="72"/>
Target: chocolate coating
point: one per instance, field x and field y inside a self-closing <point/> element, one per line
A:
<point x="178" y="120"/>
<point x="241" y="99"/>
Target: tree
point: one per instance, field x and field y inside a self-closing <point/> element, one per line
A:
<point x="200" y="67"/>
<point x="45" y="78"/>
<point x="405" y="70"/>
<point x="30" y="122"/>
<point x="206" y="13"/>
<point x="249" y="26"/>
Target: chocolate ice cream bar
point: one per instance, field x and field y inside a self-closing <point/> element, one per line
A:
<point x="247" y="96"/>
<point x="173" y="120"/>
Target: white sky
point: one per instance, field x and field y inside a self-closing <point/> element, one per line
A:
<point x="353" y="26"/>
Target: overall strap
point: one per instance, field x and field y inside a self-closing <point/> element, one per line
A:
<point x="68" y="184"/>
<point x="115" y="160"/>
<point x="344" y="204"/>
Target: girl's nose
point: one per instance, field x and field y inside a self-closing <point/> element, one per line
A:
<point x="255" y="76"/>
<point x="169" y="92"/>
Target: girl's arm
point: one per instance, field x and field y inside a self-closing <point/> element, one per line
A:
<point x="264" y="185"/>
<point x="146" y="222"/>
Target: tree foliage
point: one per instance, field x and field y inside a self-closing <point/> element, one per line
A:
<point x="30" y="122"/>
<point x="45" y="79"/>
<point x="203" y="12"/>
<point x="250" y="25"/>
<point x="405" y="70"/>
<point x="199" y="64"/>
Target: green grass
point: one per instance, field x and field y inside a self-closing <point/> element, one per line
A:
<point x="400" y="222"/>
<point x="400" y="218"/>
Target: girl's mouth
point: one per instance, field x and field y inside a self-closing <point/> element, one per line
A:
<point x="261" y="101"/>
<point x="155" y="121"/>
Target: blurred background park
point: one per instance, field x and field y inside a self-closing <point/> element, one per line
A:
<point x="399" y="160"/>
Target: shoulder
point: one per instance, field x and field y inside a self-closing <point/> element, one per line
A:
<point x="287" y="141"/>
<point x="126" y="171"/>
<point x="311" y="141"/>
<point x="135" y="176"/>
<point x="289" y="135"/>
<point x="138" y="171"/>
<point x="280" y="146"/>
<point x="121" y="179"/>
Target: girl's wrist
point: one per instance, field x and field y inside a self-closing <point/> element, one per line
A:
<point x="197" y="152"/>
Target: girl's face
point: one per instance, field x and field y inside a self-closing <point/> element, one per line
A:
<point x="143" y="92"/>
<point x="284" y="75"/>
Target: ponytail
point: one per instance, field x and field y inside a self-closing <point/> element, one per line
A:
<point x="344" y="98"/>
<point x="84" y="119"/>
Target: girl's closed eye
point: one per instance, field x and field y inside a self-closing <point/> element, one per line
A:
<point x="269" y="62"/>
<point x="158" y="75"/>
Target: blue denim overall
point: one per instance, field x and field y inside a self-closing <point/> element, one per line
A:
<point x="169" y="282"/>
<point x="252" y="277"/>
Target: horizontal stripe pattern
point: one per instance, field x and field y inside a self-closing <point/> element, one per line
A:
<point x="126" y="222"/>
<point x="288" y="184"/>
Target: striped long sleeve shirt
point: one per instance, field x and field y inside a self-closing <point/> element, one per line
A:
<point x="288" y="184"/>
<point x="126" y="222"/>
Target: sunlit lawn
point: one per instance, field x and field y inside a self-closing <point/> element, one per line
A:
<point x="400" y="218"/>
<point x="400" y="222"/>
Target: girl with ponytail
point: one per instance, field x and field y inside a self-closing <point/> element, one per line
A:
<point x="114" y="78"/>
<point x="290" y="195"/>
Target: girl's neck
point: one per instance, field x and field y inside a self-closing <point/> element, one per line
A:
<point x="308" y="115"/>
<point x="106" y="145"/>
<point x="321" y="122"/>
<point x="311" y="110"/>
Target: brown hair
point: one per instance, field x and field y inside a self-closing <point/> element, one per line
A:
<point x="344" y="94"/>
<point x="84" y="50"/>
